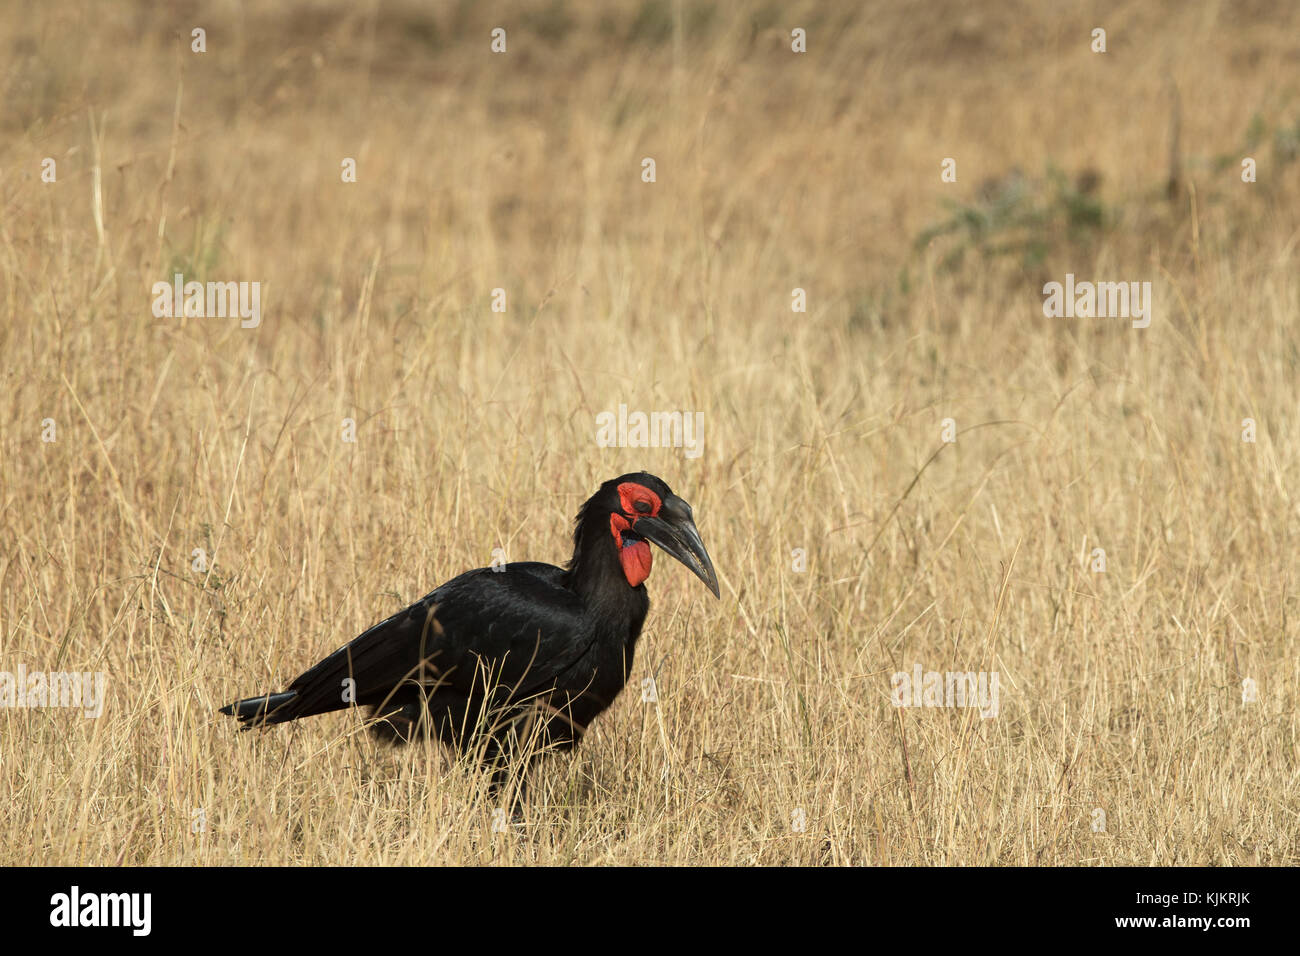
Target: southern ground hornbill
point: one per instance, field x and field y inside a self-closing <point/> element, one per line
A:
<point x="498" y="655"/>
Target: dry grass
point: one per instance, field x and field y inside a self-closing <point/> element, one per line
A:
<point x="1120" y="691"/>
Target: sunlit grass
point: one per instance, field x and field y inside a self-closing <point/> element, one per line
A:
<point x="1120" y="691"/>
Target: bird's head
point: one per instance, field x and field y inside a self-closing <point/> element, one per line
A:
<point x="642" y="508"/>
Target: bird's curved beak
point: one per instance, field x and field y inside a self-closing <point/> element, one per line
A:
<point x="673" y="529"/>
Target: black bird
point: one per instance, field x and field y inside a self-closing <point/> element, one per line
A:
<point x="497" y="654"/>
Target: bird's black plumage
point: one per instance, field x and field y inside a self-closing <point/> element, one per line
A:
<point x="498" y="653"/>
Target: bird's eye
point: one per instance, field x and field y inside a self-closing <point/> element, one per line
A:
<point x="642" y="506"/>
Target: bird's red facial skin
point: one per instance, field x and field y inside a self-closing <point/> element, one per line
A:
<point x="629" y="493"/>
<point x="634" y="555"/>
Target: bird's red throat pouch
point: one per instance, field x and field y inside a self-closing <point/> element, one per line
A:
<point x="634" y="555"/>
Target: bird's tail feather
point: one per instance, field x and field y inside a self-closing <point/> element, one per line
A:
<point x="267" y="709"/>
<point x="365" y="671"/>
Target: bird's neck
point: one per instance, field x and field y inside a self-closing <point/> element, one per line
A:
<point x="597" y="574"/>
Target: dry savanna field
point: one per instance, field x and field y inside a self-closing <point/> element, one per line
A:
<point x="918" y="470"/>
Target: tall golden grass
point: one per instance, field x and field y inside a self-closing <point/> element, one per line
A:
<point x="1120" y="692"/>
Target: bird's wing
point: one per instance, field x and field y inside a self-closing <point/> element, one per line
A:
<point x="520" y="624"/>
<point x="519" y="627"/>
